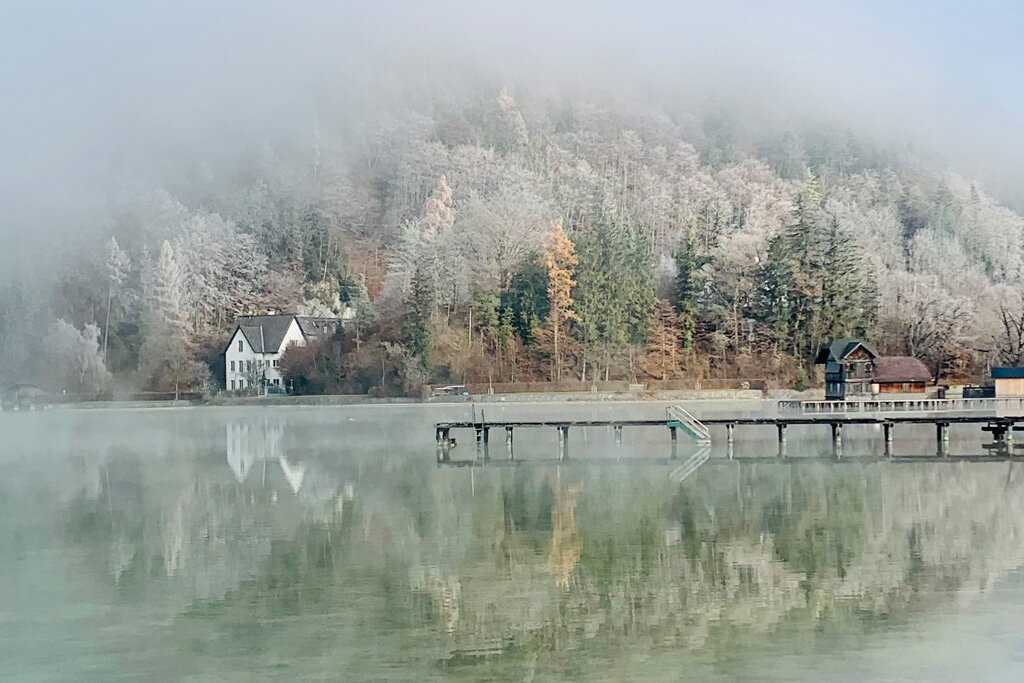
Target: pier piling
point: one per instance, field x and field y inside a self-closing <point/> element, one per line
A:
<point x="942" y="437"/>
<point x="563" y="442"/>
<point x="1001" y="429"/>
<point x="508" y="443"/>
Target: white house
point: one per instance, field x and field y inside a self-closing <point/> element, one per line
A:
<point x="252" y="356"/>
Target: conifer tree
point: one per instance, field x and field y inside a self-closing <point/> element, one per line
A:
<point x="774" y="287"/>
<point x="118" y="263"/>
<point x="166" y="355"/>
<point x="686" y="288"/>
<point x="415" y="322"/>
<point x="615" y="285"/>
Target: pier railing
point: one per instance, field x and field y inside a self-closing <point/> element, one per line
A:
<point x="910" y="405"/>
<point x="694" y="427"/>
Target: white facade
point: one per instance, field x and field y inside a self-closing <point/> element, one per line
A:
<point x="245" y="368"/>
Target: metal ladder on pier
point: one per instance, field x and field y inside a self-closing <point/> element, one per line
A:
<point x="679" y="417"/>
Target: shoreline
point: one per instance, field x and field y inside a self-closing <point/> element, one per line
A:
<point x="354" y="400"/>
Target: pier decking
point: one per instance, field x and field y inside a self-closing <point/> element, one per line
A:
<point x="1001" y="428"/>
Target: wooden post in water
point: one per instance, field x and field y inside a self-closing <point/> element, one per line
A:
<point x="675" y="441"/>
<point x="942" y="437"/>
<point x="729" y="439"/>
<point x="563" y="442"/>
<point x="837" y="439"/>
<point x="618" y="435"/>
<point x="479" y="440"/>
<point x="487" y="439"/>
<point x="887" y="428"/>
<point x="508" y="442"/>
<point x="1009" y="438"/>
<point x="444" y="444"/>
<point x="782" y="439"/>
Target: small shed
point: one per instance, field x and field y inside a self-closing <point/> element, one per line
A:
<point x="21" y="396"/>
<point x="900" y="375"/>
<point x="1008" y="381"/>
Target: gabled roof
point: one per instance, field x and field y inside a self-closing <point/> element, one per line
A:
<point x="263" y="332"/>
<point x="313" y="328"/>
<point x="839" y="349"/>
<point x="900" y="369"/>
<point x="1007" y="373"/>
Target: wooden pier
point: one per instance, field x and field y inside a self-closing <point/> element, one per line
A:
<point x="1001" y="428"/>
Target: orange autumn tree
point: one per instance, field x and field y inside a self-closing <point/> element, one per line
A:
<point x="560" y="259"/>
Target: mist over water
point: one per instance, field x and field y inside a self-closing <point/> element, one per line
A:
<point x="293" y="146"/>
<point x="309" y="542"/>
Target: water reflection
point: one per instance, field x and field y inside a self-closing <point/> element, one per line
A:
<point x="250" y="441"/>
<point x="285" y="547"/>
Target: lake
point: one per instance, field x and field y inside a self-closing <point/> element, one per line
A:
<point x="326" y="543"/>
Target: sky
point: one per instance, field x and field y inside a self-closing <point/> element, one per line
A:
<point x="93" y="93"/>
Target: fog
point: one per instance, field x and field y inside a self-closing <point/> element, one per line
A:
<point x="101" y="101"/>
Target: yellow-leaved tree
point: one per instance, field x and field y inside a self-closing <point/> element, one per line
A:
<point x="560" y="259"/>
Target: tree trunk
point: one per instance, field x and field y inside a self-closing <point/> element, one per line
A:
<point x="106" y="329"/>
<point x="558" y="360"/>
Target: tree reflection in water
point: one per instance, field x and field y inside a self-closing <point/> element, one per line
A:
<point x="537" y="568"/>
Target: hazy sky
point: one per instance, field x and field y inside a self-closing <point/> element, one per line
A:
<point x="97" y="90"/>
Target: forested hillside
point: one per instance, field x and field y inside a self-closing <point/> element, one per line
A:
<point x="507" y="237"/>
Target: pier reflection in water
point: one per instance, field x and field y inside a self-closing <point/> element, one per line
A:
<point x="237" y="544"/>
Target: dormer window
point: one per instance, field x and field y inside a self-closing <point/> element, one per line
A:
<point x="239" y="345"/>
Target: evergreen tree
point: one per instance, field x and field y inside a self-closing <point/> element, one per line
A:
<point x="803" y="254"/>
<point x="359" y="301"/>
<point x="687" y="287"/>
<point x="166" y="357"/>
<point x="842" y="286"/>
<point x="527" y="299"/>
<point x="118" y="264"/>
<point x="774" y="286"/>
<point x="615" y="285"/>
<point x="638" y="280"/>
<point x="416" y="321"/>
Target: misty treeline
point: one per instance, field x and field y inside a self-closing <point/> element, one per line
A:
<point x="491" y="238"/>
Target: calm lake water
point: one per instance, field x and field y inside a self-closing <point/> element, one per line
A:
<point x="326" y="544"/>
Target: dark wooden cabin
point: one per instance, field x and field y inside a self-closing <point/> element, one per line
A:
<point x="849" y="368"/>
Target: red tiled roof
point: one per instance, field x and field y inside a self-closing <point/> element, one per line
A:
<point x="900" y="369"/>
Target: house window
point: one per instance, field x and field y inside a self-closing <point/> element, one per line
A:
<point x="277" y="382"/>
<point x="232" y="381"/>
<point x="248" y="365"/>
<point x="232" y="368"/>
<point x="239" y="344"/>
<point x="275" y="363"/>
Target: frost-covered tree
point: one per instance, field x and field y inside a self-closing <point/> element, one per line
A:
<point x="225" y="269"/>
<point x="118" y="265"/>
<point x="74" y="360"/>
<point x="166" y="358"/>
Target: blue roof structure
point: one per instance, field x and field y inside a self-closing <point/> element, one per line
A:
<point x="1007" y="373"/>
